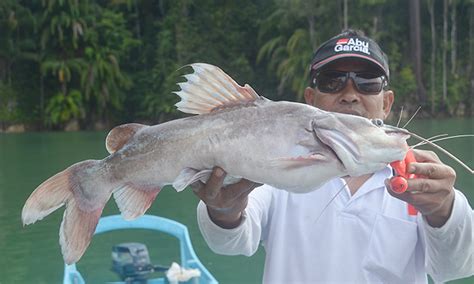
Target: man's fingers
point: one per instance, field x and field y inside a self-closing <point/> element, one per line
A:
<point x="241" y="188"/>
<point x="417" y="186"/>
<point x="409" y="196"/>
<point x="432" y="170"/>
<point x="251" y="186"/>
<point x="426" y="156"/>
<point x="197" y="186"/>
<point x="422" y="185"/>
<point x="402" y="196"/>
<point x="215" y="182"/>
<point x="214" y="194"/>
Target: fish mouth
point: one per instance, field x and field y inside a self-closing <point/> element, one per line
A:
<point x="395" y="131"/>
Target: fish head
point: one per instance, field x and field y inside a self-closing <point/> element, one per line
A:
<point x="361" y="145"/>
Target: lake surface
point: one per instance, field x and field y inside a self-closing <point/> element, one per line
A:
<point x="32" y="254"/>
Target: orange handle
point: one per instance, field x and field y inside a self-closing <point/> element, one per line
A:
<point x="399" y="183"/>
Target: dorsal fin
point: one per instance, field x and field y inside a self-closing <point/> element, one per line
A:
<point x="120" y="135"/>
<point x="209" y="88"/>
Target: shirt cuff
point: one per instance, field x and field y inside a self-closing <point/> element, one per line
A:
<point x="456" y="219"/>
<point x="205" y="222"/>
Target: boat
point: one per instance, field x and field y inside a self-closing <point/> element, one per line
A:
<point x="188" y="258"/>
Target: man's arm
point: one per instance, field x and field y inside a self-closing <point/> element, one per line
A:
<point x="446" y="217"/>
<point x="224" y="204"/>
<point x="230" y="221"/>
<point x="450" y="248"/>
<point x="432" y="193"/>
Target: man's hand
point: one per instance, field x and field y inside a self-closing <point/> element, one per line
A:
<point x="432" y="192"/>
<point x="224" y="204"/>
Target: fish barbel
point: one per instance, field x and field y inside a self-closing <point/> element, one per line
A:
<point x="292" y="146"/>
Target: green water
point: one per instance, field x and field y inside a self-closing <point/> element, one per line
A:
<point x="32" y="254"/>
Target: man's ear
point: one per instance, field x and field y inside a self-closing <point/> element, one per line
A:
<point x="388" y="98"/>
<point x="309" y="96"/>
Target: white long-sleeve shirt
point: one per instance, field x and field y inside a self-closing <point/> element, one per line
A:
<point x="367" y="237"/>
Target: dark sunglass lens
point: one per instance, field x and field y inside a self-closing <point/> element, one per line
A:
<point x="369" y="83"/>
<point x="330" y="82"/>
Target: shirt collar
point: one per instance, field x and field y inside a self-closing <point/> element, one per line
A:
<point x="376" y="181"/>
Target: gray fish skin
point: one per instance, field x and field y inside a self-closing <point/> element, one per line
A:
<point x="255" y="148"/>
<point x="292" y="146"/>
<point x="262" y="147"/>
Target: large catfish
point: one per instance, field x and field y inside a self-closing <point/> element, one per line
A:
<point x="292" y="146"/>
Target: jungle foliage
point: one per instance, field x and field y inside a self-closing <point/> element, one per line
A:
<point x="113" y="61"/>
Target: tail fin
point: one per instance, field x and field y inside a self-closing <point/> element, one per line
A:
<point x="70" y="187"/>
<point x="49" y="196"/>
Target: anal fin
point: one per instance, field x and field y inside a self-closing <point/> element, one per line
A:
<point x="133" y="200"/>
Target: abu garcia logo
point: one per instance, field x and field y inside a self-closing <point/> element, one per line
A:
<point x="351" y="44"/>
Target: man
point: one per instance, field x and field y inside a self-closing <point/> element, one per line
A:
<point x="363" y="233"/>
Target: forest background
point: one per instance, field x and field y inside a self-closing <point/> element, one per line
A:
<point x="79" y="64"/>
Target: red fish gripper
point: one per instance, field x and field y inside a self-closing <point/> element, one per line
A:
<point x="399" y="183"/>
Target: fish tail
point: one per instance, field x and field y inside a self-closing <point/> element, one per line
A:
<point x="81" y="215"/>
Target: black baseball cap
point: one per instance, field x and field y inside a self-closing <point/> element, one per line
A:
<point x="350" y="44"/>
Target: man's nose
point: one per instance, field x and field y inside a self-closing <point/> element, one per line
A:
<point x="349" y="95"/>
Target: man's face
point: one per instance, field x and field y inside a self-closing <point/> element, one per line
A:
<point x="349" y="100"/>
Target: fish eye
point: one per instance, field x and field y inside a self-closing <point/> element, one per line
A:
<point x="377" y="122"/>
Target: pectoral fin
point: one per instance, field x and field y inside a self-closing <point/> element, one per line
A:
<point x="188" y="176"/>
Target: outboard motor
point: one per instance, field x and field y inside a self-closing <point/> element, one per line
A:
<point x="131" y="262"/>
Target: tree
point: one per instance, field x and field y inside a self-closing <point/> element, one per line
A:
<point x="345" y="9"/>
<point x="117" y="61"/>
<point x="83" y="43"/>
<point x="18" y="60"/>
<point x="470" y="66"/>
<point x="431" y="9"/>
<point x="63" y="25"/>
<point x="444" y="100"/>
<point x="415" y="40"/>
<point x="102" y="81"/>
<point x="453" y="36"/>
<point x="288" y="52"/>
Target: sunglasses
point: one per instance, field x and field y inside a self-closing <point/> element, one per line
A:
<point x="334" y="81"/>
